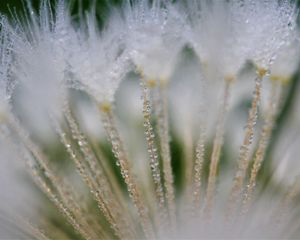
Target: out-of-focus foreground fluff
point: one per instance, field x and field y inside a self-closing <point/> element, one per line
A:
<point x="169" y="121"/>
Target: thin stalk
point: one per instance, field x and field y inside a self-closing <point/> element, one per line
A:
<point x="266" y="133"/>
<point x="57" y="202"/>
<point x="119" y="152"/>
<point x="114" y="182"/>
<point x="97" y="193"/>
<point x="101" y="180"/>
<point x="152" y="152"/>
<point x="244" y="155"/>
<point x="57" y="185"/>
<point x="164" y="140"/>
<point x="217" y="146"/>
<point x="200" y="150"/>
<point x="75" y="202"/>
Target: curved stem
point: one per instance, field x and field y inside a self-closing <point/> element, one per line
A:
<point x="84" y="172"/>
<point x="163" y="132"/>
<point x="54" y="187"/>
<point x="217" y="146"/>
<point x="197" y="182"/>
<point x="101" y="181"/>
<point x="122" y="160"/>
<point x="153" y="155"/>
<point x="244" y="155"/>
<point x="263" y="144"/>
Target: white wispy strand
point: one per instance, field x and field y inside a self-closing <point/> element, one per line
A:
<point x="268" y="27"/>
<point x="226" y="34"/>
<point x="5" y="64"/>
<point x="215" y="32"/>
<point x="154" y="37"/>
<point x="287" y="61"/>
<point x="99" y="59"/>
<point x="41" y="63"/>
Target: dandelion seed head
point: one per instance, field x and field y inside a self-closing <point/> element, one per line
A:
<point x="270" y="25"/>
<point x="154" y="37"/>
<point x="99" y="58"/>
<point x="286" y="62"/>
<point x="216" y="34"/>
<point x="41" y="64"/>
<point x="170" y="154"/>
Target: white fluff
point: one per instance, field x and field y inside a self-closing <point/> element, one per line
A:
<point x="6" y="84"/>
<point x="99" y="60"/>
<point x="154" y="37"/>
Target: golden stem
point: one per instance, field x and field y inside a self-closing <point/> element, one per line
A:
<point x="200" y="150"/>
<point x="163" y="132"/>
<point x="84" y="172"/>
<point x="100" y="179"/>
<point x="58" y="203"/>
<point x="244" y="155"/>
<point x="262" y="145"/>
<point x="56" y="185"/>
<point x="122" y="160"/>
<point x="216" y="152"/>
<point x="152" y="152"/>
<point x="114" y="182"/>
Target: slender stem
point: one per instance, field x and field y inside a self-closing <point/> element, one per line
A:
<point x="262" y="145"/>
<point x="100" y="179"/>
<point x="163" y="132"/>
<point x="153" y="155"/>
<point x="58" y="203"/>
<point x="244" y="155"/>
<point x="113" y="180"/>
<point x="200" y="150"/>
<point x="55" y="189"/>
<point x="84" y="172"/>
<point x="217" y="146"/>
<point x="122" y="161"/>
